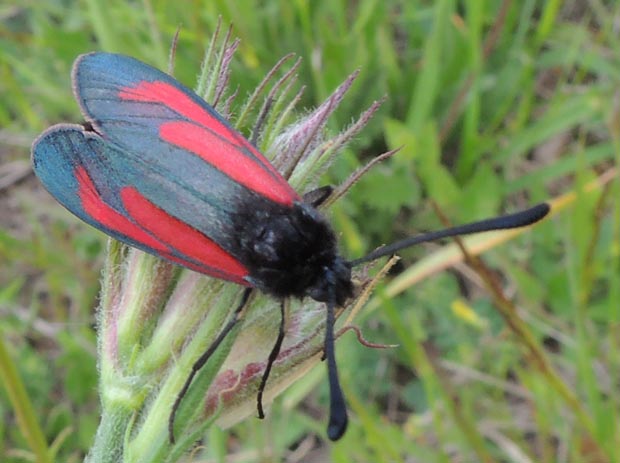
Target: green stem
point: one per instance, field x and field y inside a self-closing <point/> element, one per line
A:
<point x="24" y="411"/>
<point x="110" y="437"/>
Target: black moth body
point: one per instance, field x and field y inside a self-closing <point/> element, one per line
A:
<point x="291" y="251"/>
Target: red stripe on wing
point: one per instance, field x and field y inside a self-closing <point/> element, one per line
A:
<point x="116" y="222"/>
<point x="182" y="237"/>
<point x="216" y="151"/>
<point x="222" y="147"/>
<point x="108" y="217"/>
<point x="205" y="270"/>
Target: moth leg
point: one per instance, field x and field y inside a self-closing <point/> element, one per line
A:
<point x="318" y="196"/>
<point x="273" y="355"/>
<point x="198" y="364"/>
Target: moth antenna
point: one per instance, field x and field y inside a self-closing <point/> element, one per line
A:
<point x="503" y="222"/>
<point x="198" y="364"/>
<point x="338" y="419"/>
<point x="273" y="355"/>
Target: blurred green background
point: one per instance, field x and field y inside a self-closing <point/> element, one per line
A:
<point x="497" y="104"/>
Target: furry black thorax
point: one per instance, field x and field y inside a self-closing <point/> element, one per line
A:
<point x="291" y="251"/>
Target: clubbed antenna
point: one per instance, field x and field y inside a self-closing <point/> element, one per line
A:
<point x="503" y="222"/>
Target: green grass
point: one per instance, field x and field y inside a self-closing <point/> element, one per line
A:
<point x="496" y="105"/>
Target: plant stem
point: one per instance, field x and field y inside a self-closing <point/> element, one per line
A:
<point x="26" y="417"/>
